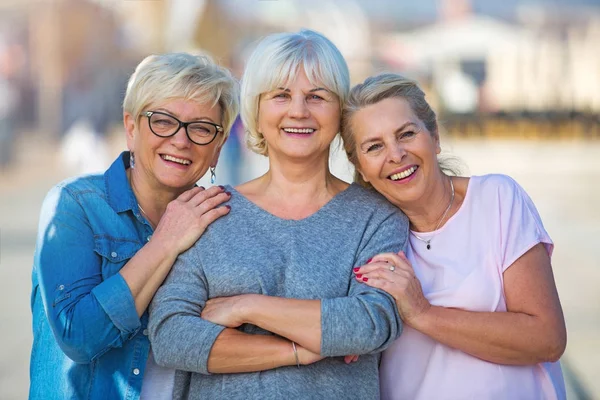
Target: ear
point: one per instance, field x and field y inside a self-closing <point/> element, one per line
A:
<point x="361" y="174"/>
<point x="129" y="124"/>
<point x="438" y="147"/>
<point x="215" y="159"/>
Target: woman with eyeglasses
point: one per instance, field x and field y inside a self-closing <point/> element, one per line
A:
<point x="106" y="242"/>
<point x="265" y="305"/>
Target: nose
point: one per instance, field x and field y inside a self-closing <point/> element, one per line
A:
<point x="180" y="138"/>
<point x="298" y="108"/>
<point x="396" y="153"/>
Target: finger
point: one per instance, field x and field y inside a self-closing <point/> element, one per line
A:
<point x="348" y="359"/>
<point x="209" y="193"/>
<point x="212" y="215"/>
<point x="382" y="284"/>
<point x="398" y="265"/>
<point x="384" y="274"/>
<point x="355" y="359"/>
<point x="212" y="202"/>
<point x="188" y="194"/>
<point x="392" y="258"/>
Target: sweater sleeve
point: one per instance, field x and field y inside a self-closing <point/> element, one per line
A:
<point x="180" y="338"/>
<point x="367" y="320"/>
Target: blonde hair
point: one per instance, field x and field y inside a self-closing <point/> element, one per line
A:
<point x="276" y="61"/>
<point x="181" y="75"/>
<point x="372" y="91"/>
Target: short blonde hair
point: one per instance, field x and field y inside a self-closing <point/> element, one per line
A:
<point x="159" y="78"/>
<point x="373" y="90"/>
<point x="276" y="61"/>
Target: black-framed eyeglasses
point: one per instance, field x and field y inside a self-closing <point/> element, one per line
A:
<point x="165" y="125"/>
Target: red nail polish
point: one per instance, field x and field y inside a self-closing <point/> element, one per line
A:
<point x="228" y="207"/>
<point x="222" y="187"/>
<point x="359" y="276"/>
<point x="356" y="269"/>
<point x="228" y="193"/>
<point x="365" y="279"/>
<point x="369" y="260"/>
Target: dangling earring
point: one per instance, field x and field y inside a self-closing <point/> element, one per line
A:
<point x="213" y="175"/>
<point x="131" y="160"/>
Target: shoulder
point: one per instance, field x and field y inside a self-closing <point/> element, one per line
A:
<point x="499" y="185"/>
<point x="75" y="187"/>
<point x="360" y="201"/>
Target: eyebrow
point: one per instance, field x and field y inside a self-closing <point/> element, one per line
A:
<point x="317" y="89"/>
<point x="400" y="129"/>
<point x="164" y="110"/>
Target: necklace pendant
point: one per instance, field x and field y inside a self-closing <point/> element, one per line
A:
<point x="428" y="246"/>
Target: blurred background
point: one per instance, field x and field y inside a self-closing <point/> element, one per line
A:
<point x="516" y="85"/>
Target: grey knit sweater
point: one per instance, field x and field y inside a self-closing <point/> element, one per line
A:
<point x="252" y="251"/>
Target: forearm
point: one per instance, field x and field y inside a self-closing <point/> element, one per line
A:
<point x="499" y="337"/>
<point x="236" y="352"/>
<point x="297" y="320"/>
<point x="146" y="271"/>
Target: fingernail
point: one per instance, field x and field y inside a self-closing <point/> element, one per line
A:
<point x="356" y="269"/>
<point x="369" y="260"/>
<point x="228" y="193"/>
<point x="365" y="279"/>
<point x="222" y="187"/>
<point x="228" y="207"/>
<point x="201" y="187"/>
<point x="359" y="276"/>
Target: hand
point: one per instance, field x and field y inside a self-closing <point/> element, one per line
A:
<point x="401" y="283"/>
<point x="351" y="358"/>
<point x="225" y="311"/>
<point x="307" y="357"/>
<point x="187" y="217"/>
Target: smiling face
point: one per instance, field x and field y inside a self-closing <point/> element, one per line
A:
<point x="300" y="120"/>
<point x="174" y="163"/>
<point x="395" y="151"/>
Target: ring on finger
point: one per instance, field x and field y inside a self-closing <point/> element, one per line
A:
<point x="392" y="268"/>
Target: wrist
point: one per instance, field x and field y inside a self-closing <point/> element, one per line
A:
<point x="247" y="308"/>
<point x="424" y="320"/>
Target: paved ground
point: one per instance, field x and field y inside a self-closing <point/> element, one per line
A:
<point x="562" y="178"/>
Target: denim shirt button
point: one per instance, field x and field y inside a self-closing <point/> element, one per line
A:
<point x="113" y="254"/>
<point x="136" y="371"/>
<point x="145" y="332"/>
<point x="148" y="238"/>
<point x="61" y="287"/>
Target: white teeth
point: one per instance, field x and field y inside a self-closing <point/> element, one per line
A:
<point x="177" y="160"/>
<point x="297" y="130"/>
<point x="404" y="174"/>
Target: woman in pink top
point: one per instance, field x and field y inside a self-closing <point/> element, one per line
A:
<point x="475" y="288"/>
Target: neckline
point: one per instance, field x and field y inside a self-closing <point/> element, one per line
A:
<point x="453" y="217"/>
<point x="321" y="210"/>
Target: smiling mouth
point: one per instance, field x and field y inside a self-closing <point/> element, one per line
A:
<point x="302" y="131"/>
<point x="404" y="174"/>
<point x="181" y="161"/>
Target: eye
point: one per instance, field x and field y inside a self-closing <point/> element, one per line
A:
<point x="315" y="97"/>
<point x="374" y="147"/>
<point x="407" y="134"/>
<point x="281" y="95"/>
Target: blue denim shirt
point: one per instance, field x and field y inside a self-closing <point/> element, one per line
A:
<point x="88" y="341"/>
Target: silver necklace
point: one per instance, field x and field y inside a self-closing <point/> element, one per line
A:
<point x="428" y="241"/>
<point x="146" y="216"/>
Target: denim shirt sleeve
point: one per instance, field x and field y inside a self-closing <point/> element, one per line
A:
<point x="367" y="320"/>
<point x="88" y="314"/>
<point x="179" y="337"/>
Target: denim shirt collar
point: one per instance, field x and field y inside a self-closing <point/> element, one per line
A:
<point x="118" y="189"/>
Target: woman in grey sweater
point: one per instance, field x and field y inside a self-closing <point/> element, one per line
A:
<point x="265" y="304"/>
